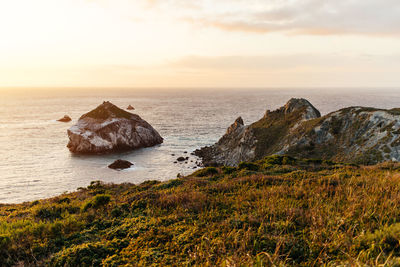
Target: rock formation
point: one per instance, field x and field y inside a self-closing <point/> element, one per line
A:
<point x="355" y="135"/>
<point x="66" y="118"/>
<point x="109" y="128"/>
<point x="120" y="164"/>
<point x="130" y="107"/>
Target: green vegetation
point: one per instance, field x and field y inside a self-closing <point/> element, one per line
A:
<point x="277" y="211"/>
<point x="102" y="112"/>
<point x="271" y="129"/>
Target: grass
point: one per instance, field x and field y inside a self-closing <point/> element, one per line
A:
<point x="276" y="211"/>
<point x="103" y="112"/>
<point x="271" y="129"/>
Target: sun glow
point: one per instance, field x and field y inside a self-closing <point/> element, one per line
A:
<point x="186" y="43"/>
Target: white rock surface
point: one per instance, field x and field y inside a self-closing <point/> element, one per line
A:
<point x="109" y="128"/>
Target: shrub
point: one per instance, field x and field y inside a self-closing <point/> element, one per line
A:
<point x="208" y="171"/>
<point x="101" y="200"/>
<point x="63" y="200"/>
<point x="5" y="242"/>
<point x="386" y="239"/>
<point x="82" y="255"/>
<point x="228" y="170"/>
<point x="279" y="160"/>
<point x="248" y="166"/>
<point x="97" y="202"/>
<point x="314" y="161"/>
<point x="95" y="185"/>
<point x="49" y="212"/>
<point x="170" y="184"/>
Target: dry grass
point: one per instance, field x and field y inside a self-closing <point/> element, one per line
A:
<point x="304" y="214"/>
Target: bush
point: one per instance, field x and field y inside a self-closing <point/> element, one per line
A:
<point x="49" y="212"/>
<point x="101" y="200"/>
<point x="82" y="255"/>
<point x="97" y="202"/>
<point x="279" y="160"/>
<point x="4" y="241"/>
<point x="314" y="161"/>
<point x="171" y="184"/>
<point x="386" y="239"/>
<point x="208" y="171"/>
<point x="248" y="166"/>
<point x="228" y="170"/>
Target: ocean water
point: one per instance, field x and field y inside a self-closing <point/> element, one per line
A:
<point x="35" y="163"/>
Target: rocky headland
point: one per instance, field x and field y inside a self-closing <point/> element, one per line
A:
<point x="109" y="128"/>
<point x="356" y="135"/>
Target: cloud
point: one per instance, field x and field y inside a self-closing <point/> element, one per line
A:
<point x="283" y="62"/>
<point x="312" y="17"/>
<point x="308" y="17"/>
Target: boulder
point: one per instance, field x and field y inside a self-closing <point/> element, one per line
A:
<point x="66" y="118"/>
<point x="181" y="159"/>
<point x="130" y="107"/>
<point x="120" y="164"/>
<point x="108" y="128"/>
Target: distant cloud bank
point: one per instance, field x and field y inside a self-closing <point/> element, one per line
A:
<point x="309" y="17"/>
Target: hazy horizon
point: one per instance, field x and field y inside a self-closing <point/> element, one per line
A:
<point x="40" y="91"/>
<point x="197" y="44"/>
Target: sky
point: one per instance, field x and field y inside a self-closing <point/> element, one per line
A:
<point x="200" y="43"/>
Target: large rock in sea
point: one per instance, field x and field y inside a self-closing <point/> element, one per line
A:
<point x="356" y="135"/>
<point x="109" y="128"/>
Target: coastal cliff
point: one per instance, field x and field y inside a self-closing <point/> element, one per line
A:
<point x="355" y="135"/>
<point x="109" y="128"/>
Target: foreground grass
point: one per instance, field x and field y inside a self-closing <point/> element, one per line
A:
<point x="278" y="211"/>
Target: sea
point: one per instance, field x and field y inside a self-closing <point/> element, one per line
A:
<point x="35" y="162"/>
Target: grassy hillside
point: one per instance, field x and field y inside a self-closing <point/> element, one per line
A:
<point x="278" y="210"/>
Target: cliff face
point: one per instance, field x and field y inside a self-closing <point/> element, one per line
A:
<point x="355" y="134"/>
<point x="109" y="128"/>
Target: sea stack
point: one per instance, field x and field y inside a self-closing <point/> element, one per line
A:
<point x="66" y="118"/>
<point x="108" y="128"/>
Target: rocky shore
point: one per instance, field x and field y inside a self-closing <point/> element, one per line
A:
<point x="355" y="134"/>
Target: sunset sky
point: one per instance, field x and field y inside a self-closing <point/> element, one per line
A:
<point x="200" y="43"/>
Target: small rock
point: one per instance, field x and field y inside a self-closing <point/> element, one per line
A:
<point x="66" y="118"/>
<point x="120" y="164"/>
<point x="185" y="152"/>
<point x="172" y="154"/>
<point x="180" y="159"/>
<point x="130" y="107"/>
<point x="187" y="158"/>
<point x="175" y="162"/>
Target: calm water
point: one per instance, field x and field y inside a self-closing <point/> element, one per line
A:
<point x="35" y="163"/>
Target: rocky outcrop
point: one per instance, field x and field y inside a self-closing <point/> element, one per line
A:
<point x="66" y="118"/>
<point x="238" y="144"/>
<point x="356" y="135"/>
<point x="109" y="128"/>
<point x="120" y="164"/>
